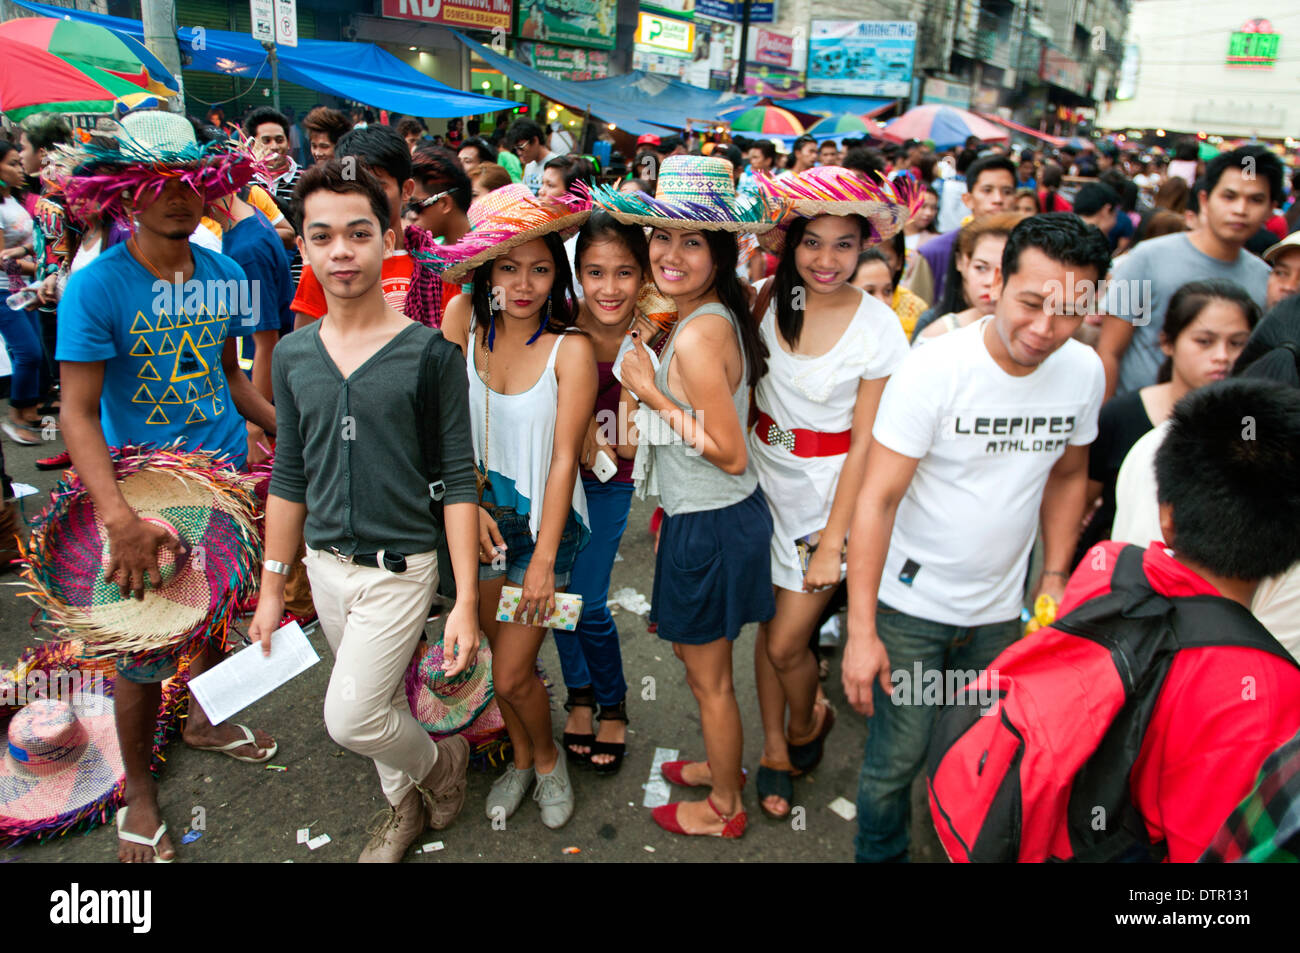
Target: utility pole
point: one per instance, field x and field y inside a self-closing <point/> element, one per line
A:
<point x="159" y="19"/>
<point x="744" y="48"/>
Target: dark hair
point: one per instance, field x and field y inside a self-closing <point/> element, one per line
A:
<point x="765" y="146"/>
<point x="1194" y="196"/>
<point x="1030" y="194"/>
<point x="1094" y="197"/>
<point x="1164" y="222"/>
<point x="438" y="170"/>
<point x="732" y="154"/>
<point x="1060" y="236"/>
<point x="726" y="255"/>
<point x="796" y="146"/>
<point x="485" y="151"/>
<point x="988" y="164"/>
<point x="330" y="122"/>
<point x="1172" y="194"/>
<point x="786" y="283"/>
<point x="668" y="144"/>
<point x="1189" y="301"/>
<point x="263" y="114"/>
<point x="378" y="146"/>
<point x="573" y="168"/>
<point x="46" y="130"/>
<point x="521" y="130"/>
<point x="1273" y="350"/>
<point x="868" y="162"/>
<point x="1124" y="187"/>
<point x="603" y="227"/>
<point x="1235" y="500"/>
<point x="1257" y="160"/>
<point x="874" y="254"/>
<point x="965" y="159"/>
<point x="562" y="300"/>
<point x="925" y="167"/>
<point x="1186" y="150"/>
<point x="899" y="244"/>
<point x="329" y="177"/>
<point x="409" y="126"/>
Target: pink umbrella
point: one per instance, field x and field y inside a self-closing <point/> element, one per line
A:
<point x="945" y="126"/>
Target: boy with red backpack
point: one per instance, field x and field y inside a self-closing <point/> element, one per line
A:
<point x="1131" y="727"/>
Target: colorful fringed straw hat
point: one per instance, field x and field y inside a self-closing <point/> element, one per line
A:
<point x="60" y="672"/>
<point x="832" y="190"/>
<point x="135" y="158"/>
<point x="63" y="765"/>
<point x="693" y="192"/>
<point x="442" y="705"/>
<point x="198" y="498"/>
<point x="504" y="218"/>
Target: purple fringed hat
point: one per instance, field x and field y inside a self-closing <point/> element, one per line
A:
<point x="135" y="158"/>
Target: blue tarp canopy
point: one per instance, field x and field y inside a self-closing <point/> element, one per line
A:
<point x="834" y="105"/>
<point x="637" y="102"/>
<point x="357" y="71"/>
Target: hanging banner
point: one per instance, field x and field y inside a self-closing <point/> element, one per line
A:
<point x="575" y="22"/>
<point x="734" y="10"/>
<point x="861" y="58"/>
<point x="466" y="14"/>
<point x="564" y="62"/>
<point x="777" y="83"/>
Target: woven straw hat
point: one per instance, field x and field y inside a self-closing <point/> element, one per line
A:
<point x="504" y="218"/>
<point x="208" y="506"/>
<point x="833" y="190"/>
<point x="63" y="764"/>
<point x="693" y="192"/>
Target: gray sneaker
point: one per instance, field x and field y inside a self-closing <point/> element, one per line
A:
<point x="508" y="792"/>
<point x="554" y="794"/>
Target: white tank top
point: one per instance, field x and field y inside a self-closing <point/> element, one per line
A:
<point x="521" y="431"/>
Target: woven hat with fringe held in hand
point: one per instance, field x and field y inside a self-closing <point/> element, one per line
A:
<point x="885" y="205"/>
<point x="133" y="160"/>
<point x="199" y="499"/>
<point x="694" y="192"/>
<point x="504" y="218"/>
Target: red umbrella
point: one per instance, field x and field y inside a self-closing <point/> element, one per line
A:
<point x="945" y="126"/>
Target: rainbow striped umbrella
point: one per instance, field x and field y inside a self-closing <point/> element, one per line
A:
<point x="66" y="66"/>
<point x="945" y="126"/>
<point x="844" y="124"/>
<point x="772" y="120"/>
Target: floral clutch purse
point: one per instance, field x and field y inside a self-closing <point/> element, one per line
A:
<point x="568" y="608"/>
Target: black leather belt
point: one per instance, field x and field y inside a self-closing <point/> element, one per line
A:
<point x="393" y="562"/>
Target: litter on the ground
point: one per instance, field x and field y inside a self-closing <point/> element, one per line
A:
<point x="572" y="850"/>
<point x="304" y="835"/>
<point x="430" y="848"/>
<point x="318" y="841"/>
<point x="657" y="792"/>
<point x="276" y="767"/>
<point x="844" y="808"/>
<point x="23" y="489"/>
<point x="648" y="849"/>
<point x="629" y="599"/>
<point x="191" y="836"/>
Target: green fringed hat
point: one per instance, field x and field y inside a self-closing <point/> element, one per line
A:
<point x="693" y="192"/>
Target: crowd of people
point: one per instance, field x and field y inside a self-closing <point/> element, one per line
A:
<point x="868" y="378"/>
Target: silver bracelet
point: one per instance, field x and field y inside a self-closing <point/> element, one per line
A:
<point x="276" y="566"/>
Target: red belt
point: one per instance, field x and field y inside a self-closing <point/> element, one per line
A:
<point x="802" y="443"/>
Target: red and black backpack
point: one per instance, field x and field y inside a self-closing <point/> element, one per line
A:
<point x="1042" y="773"/>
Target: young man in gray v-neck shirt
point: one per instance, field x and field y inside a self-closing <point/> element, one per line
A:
<point x="349" y="476"/>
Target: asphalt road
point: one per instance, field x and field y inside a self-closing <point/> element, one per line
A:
<point x="252" y="814"/>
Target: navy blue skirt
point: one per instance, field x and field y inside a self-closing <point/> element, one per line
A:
<point x="713" y="572"/>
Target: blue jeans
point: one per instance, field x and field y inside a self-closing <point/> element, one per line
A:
<point x="899" y="734"/>
<point x="23" y="340"/>
<point x="590" y="655"/>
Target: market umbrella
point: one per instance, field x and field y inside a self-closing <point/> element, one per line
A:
<point x="1079" y="144"/>
<point x="35" y="79"/>
<point x="844" y="124"/>
<point x="772" y="120"/>
<point x="945" y="126"/>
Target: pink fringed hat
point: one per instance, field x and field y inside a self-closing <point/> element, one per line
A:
<point x="832" y="190"/>
<point x="197" y="498"/>
<point x="504" y="218"/>
<point x="693" y="192"/>
<point x="134" y="159"/>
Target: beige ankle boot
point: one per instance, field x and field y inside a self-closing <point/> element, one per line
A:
<point x="398" y="829"/>
<point x="444" y="787"/>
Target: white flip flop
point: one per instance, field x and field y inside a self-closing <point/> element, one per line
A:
<point x="248" y="739"/>
<point x="140" y="838"/>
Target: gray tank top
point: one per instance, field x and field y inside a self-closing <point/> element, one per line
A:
<point x="687" y="482"/>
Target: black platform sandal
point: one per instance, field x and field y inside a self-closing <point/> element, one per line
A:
<point x="579" y="698"/>
<point x="616" y="750"/>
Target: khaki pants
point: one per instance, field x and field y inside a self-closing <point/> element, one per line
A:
<point x="373" y="620"/>
<point x="297" y="589"/>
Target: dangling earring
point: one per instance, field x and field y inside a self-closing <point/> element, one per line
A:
<point x="541" y="325"/>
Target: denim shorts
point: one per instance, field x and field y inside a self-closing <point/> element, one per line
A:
<point x="518" y="537"/>
<point x="159" y="669"/>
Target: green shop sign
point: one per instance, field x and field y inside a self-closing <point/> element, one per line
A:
<point x="576" y="22"/>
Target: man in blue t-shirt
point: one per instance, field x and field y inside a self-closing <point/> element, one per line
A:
<point x="146" y="359"/>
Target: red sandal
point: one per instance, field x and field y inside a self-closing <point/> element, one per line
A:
<point x="672" y="771"/>
<point x="666" y="817"/>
